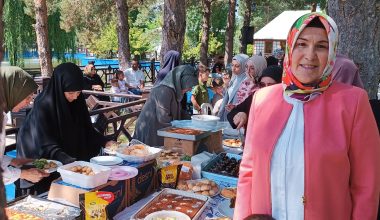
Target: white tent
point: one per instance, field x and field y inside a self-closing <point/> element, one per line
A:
<point x="273" y="35"/>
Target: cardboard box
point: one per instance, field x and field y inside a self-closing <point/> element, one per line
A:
<point x="126" y="192"/>
<point x="211" y="143"/>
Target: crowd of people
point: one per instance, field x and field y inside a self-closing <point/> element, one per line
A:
<point x="312" y="145"/>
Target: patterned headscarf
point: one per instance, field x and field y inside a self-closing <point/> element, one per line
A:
<point x="292" y="86"/>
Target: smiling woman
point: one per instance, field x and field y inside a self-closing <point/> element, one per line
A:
<point x="310" y="137"/>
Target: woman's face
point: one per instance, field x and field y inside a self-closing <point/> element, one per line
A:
<point x="267" y="81"/>
<point x="310" y="55"/>
<point x="25" y="102"/>
<point x="250" y="68"/>
<point x="72" y="96"/>
<point x="92" y="70"/>
<point x="235" y="67"/>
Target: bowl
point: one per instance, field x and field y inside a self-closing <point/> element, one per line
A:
<point x="167" y="215"/>
<point x="205" y="120"/>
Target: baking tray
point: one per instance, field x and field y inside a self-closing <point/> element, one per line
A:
<point x="45" y="209"/>
<point x="164" y="133"/>
<point x="203" y="198"/>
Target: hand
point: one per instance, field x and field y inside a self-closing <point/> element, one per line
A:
<point x="240" y="119"/>
<point x="97" y="87"/>
<point x="33" y="175"/>
<point x="229" y="107"/>
<point x="17" y="162"/>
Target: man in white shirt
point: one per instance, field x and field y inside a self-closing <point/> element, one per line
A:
<point x="135" y="78"/>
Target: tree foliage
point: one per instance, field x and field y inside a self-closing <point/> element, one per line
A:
<point x="18" y="31"/>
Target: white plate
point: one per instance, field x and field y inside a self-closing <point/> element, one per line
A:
<point x="153" y="153"/>
<point x="224" y="209"/>
<point x="164" y="214"/>
<point x="106" y="160"/>
<point x="123" y="173"/>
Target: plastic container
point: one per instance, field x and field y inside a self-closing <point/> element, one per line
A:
<point x="219" y="178"/>
<point x="205" y="120"/>
<point x="101" y="176"/>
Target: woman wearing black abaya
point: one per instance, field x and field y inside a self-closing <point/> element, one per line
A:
<point x="59" y="126"/>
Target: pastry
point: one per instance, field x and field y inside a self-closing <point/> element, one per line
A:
<point x="229" y="192"/>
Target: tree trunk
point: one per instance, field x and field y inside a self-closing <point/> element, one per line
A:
<point x="42" y="38"/>
<point x="123" y="34"/>
<point x="174" y="27"/>
<point x="359" y="33"/>
<point x="3" y="201"/>
<point x="206" y="6"/>
<point x="230" y="32"/>
<point x="246" y="24"/>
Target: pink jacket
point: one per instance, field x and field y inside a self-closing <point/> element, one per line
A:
<point x="342" y="154"/>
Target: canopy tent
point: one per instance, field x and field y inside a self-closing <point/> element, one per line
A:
<point x="273" y="35"/>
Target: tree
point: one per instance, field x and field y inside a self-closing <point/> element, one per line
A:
<point x="123" y="33"/>
<point x="42" y="38"/>
<point x="206" y="5"/>
<point x="174" y="26"/>
<point x="359" y="33"/>
<point x="230" y="32"/>
<point x="246" y="24"/>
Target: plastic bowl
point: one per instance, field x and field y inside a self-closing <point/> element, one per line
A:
<point x="101" y="176"/>
<point x="205" y="120"/>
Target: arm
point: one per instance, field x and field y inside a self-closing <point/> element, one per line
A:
<point x="243" y="199"/>
<point x="364" y="153"/>
<point x="194" y="94"/>
<point x="163" y="99"/>
<point x="195" y="103"/>
<point x="142" y="80"/>
<point x="242" y="107"/>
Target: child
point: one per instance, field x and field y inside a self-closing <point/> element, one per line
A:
<point x="217" y="99"/>
<point x="200" y="93"/>
<point x="123" y="86"/>
<point x="115" y="89"/>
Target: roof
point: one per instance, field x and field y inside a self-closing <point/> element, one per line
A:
<point x="279" y="27"/>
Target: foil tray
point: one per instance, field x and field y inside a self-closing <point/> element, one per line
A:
<point x="45" y="209"/>
<point x="203" y="198"/>
<point x="164" y="133"/>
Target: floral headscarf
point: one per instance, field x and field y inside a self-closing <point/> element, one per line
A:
<point x="292" y="86"/>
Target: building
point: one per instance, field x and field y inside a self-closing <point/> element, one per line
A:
<point x="273" y="35"/>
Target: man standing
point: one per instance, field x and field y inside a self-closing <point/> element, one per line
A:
<point x="135" y="78"/>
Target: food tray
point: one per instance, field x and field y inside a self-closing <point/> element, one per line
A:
<point x="203" y="198"/>
<point x="101" y="175"/>
<point x="164" y="133"/>
<point x="219" y="178"/>
<point x="214" y="189"/>
<point x="45" y="209"/>
<point x="153" y="153"/>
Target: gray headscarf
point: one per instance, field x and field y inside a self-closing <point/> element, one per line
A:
<point x="259" y="63"/>
<point x="236" y="80"/>
<point x="242" y="59"/>
<point x="180" y="78"/>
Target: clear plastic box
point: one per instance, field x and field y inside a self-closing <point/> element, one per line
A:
<point x="101" y="176"/>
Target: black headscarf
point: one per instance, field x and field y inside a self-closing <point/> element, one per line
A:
<point x="171" y="60"/>
<point x="58" y="129"/>
<point x="274" y="72"/>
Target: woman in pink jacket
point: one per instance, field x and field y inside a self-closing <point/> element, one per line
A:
<point x="312" y="149"/>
